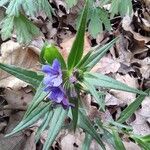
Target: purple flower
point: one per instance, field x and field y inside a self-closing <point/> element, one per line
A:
<point x="57" y="95"/>
<point x="52" y="82"/>
<point x="53" y="74"/>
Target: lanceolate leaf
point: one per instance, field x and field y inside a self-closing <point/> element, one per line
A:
<point x="55" y="126"/>
<point x="95" y="94"/>
<point x="118" y="143"/>
<point x="146" y="138"/>
<point x="92" y="58"/>
<point x="31" y="119"/>
<point x="44" y="125"/>
<point x="97" y="79"/>
<point x="121" y="126"/>
<point x="141" y="143"/>
<point x="39" y="96"/>
<point x="128" y="112"/>
<point x="87" y="142"/>
<point x="28" y="76"/>
<point x="86" y="124"/>
<point x="77" y="48"/>
<point x="75" y="109"/>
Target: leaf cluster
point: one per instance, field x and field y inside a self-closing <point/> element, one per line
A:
<point x="16" y="18"/>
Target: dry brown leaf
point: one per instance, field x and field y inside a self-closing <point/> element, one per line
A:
<point x="68" y="141"/>
<point x="111" y="100"/>
<point x="30" y="143"/>
<point x="125" y="97"/>
<point x="131" y="146"/>
<point x="17" y="98"/>
<point x="12" y="53"/>
<point x="140" y="125"/>
<point x="126" y="24"/>
<point x="12" y="143"/>
<point x="107" y="65"/>
<point x="145" y="68"/>
<point x="145" y="108"/>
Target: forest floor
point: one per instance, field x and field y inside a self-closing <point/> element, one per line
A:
<point x="127" y="61"/>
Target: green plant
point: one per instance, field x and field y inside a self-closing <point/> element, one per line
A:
<point x="18" y="14"/>
<point x="16" y="18"/>
<point x="58" y="94"/>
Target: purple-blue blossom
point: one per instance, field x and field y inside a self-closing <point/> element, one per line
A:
<point x="53" y="84"/>
<point x="53" y="74"/>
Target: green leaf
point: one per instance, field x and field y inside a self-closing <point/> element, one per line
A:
<point x="121" y="126"/>
<point x="45" y="6"/>
<point x="114" y="7"/>
<point x="95" y="94"/>
<point x="38" y="97"/>
<point x="55" y="126"/>
<point x="14" y="7"/>
<point x="7" y="27"/>
<point x="50" y="52"/>
<point x="105" y="18"/>
<point x="30" y="7"/>
<point x="32" y="118"/>
<point x="87" y="142"/>
<point x="125" y="7"/>
<point x="141" y="143"/>
<point x="28" y="76"/>
<point x="25" y="29"/>
<point x="71" y="3"/>
<point x="3" y="2"/>
<point x="108" y="137"/>
<point x="77" y="48"/>
<point x="128" y="112"/>
<point x="84" y="59"/>
<point x="85" y="123"/>
<point x="74" y="110"/>
<point x="44" y="125"/>
<point x="100" y="80"/>
<point x="118" y="143"/>
<point x="146" y="138"/>
<point x="95" y="26"/>
<point x="94" y="57"/>
<point x="42" y="59"/>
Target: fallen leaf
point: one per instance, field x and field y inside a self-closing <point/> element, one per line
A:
<point x="30" y="143"/>
<point x="107" y="65"/>
<point x="14" y="54"/>
<point x="72" y="141"/>
<point x="131" y="146"/>
<point x="140" y="125"/>
<point x="125" y="97"/>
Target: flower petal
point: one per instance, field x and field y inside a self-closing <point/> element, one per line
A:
<point x="56" y="65"/>
<point x="46" y="68"/>
<point x="57" y="81"/>
<point x="56" y="94"/>
<point x="48" y="80"/>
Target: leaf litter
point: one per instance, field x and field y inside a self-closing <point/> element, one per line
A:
<point x="128" y="61"/>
